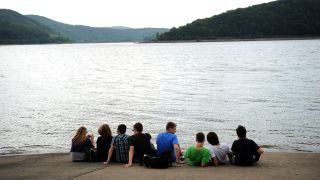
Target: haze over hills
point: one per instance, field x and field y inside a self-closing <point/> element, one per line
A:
<point x="80" y="33"/>
<point x="16" y="28"/>
<point x="282" y="18"/>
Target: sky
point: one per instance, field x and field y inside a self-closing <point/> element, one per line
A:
<point x="129" y="13"/>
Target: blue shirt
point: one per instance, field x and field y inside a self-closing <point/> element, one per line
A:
<point x="165" y="141"/>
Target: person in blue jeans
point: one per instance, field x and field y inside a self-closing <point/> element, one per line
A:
<point x="169" y="141"/>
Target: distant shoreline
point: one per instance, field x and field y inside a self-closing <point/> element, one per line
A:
<point x="234" y="40"/>
<point x="182" y="41"/>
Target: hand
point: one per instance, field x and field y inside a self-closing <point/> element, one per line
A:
<point x="128" y="165"/>
<point x="180" y="162"/>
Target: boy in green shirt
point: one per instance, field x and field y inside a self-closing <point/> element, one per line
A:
<point x="198" y="155"/>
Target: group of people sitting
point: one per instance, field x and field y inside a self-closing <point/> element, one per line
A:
<point x="126" y="149"/>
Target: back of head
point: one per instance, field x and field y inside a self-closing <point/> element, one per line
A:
<point x="138" y="127"/>
<point x="148" y="136"/>
<point x="212" y="138"/>
<point x="104" y="130"/>
<point x="171" y="125"/>
<point x="80" y="136"/>
<point x="200" y="137"/>
<point x="241" y="131"/>
<point x="122" y="128"/>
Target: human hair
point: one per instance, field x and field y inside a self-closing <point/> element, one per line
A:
<point x="80" y="136"/>
<point x="241" y="131"/>
<point x="122" y="128"/>
<point x="104" y="130"/>
<point x="148" y="136"/>
<point x="138" y="126"/>
<point x="200" y="137"/>
<point x="170" y="125"/>
<point x="212" y="138"/>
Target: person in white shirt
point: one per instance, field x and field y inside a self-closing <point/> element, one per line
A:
<point x="219" y="151"/>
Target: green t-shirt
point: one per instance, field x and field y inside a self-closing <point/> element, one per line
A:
<point x="197" y="157"/>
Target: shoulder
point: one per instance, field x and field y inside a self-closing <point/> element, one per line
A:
<point x="126" y="136"/>
<point x="236" y="142"/>
<point x="190" y="148"/>
<point x="252" y="142"/>
<point x="205" y="150"/>
<point x="161" y="135"/>
<point x="133" y="137"/>
<point x="173" y="136"/>
<point x="109" y="138"/>
<point x="224" y="145"/>
<point x="209" y="146"/>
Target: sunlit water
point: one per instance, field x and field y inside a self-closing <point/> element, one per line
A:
<point x="271" y="87"/>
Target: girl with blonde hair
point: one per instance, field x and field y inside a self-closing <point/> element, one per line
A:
<point x="81" y="144"/>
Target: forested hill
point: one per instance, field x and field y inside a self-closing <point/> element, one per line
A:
<point x="79" y="33"/>
<point x="18" y="29"/>
<point x="282" y="18"/>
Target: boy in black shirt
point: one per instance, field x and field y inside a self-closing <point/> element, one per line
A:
<point x="246" y="151"/>
<point x="139" y="145"/>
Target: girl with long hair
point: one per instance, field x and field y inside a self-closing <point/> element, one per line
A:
<point x="103" y="142"/>
<point x="81" y="144"/>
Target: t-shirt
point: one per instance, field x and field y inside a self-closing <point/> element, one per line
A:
<point x="82" y="148"/>
<point x="165" y="142"/>
<point x="141" y="146"/>
<point x="244" y="149"/>
<point x="219" y="151"/>
<point x="121" y="143"/>
<point x="196" y="156"/>
<point x="103" y="146"/>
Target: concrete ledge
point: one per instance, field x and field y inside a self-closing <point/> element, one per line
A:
<point x="58" y="166"/>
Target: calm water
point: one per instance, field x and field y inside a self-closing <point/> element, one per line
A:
<point x="271" y="87"/>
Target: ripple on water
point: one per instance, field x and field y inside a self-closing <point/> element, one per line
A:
<point x="11" y="150"/>
<point x="270" y="97"/>
<point x="313" y="109"/>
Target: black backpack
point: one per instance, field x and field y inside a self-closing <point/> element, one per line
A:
<point x="161" y="161"/>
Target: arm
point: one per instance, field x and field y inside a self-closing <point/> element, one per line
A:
<point x="109" y="154"/>
<point x="215" y="161"/>
<point x="230" y="156"/>
<point x="260" y="150"/>
<point x="177" y="151"/>
<point x="131" y="152"/>
<point x="92" y="140"/>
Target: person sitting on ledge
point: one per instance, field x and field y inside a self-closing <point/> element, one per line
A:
<point x="81" y="145"/>
<point x="218" y="151"/>
<point x="103" y="143"/>
<point x="198" y="155"/>
<point x="120" y="144"/>
<point x="168" y="141"/>
<point x="139" y="145"/>
<point x="246" y="151"/>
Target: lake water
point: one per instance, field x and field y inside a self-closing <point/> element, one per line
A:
<point x="271" y="87"/>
